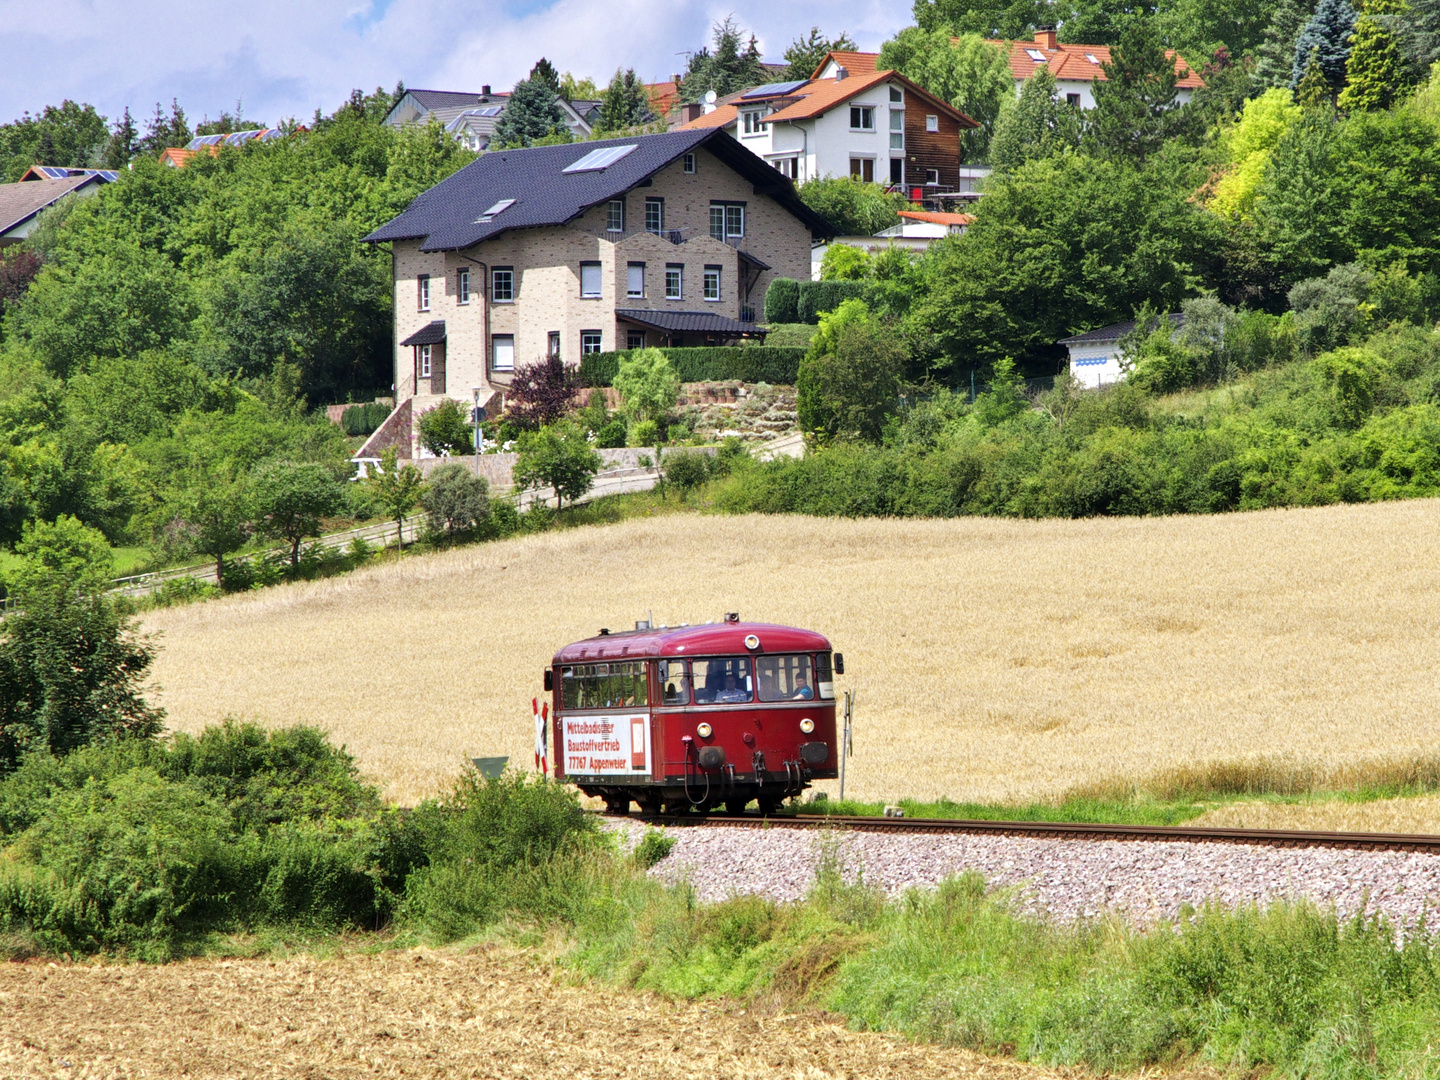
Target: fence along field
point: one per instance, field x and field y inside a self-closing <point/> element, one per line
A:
<point x="992" y="659"/>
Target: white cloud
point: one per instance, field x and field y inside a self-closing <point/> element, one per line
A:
<point x="288" y="58"/>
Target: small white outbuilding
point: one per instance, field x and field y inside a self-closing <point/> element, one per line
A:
<point x="1095" y="354"/>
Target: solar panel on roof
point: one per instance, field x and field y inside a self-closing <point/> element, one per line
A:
<point x="600" y="159"/>
<point x="775" y="89"/>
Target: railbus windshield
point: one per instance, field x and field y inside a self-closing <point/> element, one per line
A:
<point x="738" y="680"/>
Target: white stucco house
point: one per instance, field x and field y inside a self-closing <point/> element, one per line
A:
<point x="875" y="126"/>
<point x="1077" y="68"/>
<point x="1095" y="354"/>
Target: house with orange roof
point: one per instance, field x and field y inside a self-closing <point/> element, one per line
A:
<point x="1075" y="67"/>
<point x="876" y="126"/>
<point x="1078" y="67"/>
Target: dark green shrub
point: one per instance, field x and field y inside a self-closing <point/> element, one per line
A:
<point x="687" y="469"/>
<point x="364" y="419"/>
<point x="751" y="363"/>
<point x="498" y="845"/>
<point x="818" y="296"/>
<point x="613" y="435"/>
<point x="653" y="847"/>
<point x="456" y="499"/>
<point x="782" y="298"/>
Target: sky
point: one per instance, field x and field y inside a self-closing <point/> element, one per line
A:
<point x="281" y="59"/>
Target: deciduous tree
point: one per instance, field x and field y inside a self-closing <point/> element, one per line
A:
<point x="290" y="500"/>
<point x="559" y="457"/>
<point x="541" y="393"/>
<point x="396" y="489"/>
<point x="966" y="71"/>
<point x="445" y="430"/>
<point x="849" y="381"/>
<point x="456" y="499"/>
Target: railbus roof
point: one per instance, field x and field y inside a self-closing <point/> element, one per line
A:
<point x="706" y="639"/>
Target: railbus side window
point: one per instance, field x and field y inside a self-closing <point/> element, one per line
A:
<point x="825" y="679"/>
<point x="605" y="686"/>
<point x="785" y="678"/>
<point x="723" y="680"/>
<point x="674" y="682"/>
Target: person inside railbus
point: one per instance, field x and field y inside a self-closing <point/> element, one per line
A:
<point x="802" y="691"/>
<point x="731" y="691"/>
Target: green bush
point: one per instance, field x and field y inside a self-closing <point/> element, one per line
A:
<point x="819" y="296"/>
<point x="782" y="299"/>
<point x="364" y="419"/>
<point x="493" y="845"/>
<point x="613" y="435"/>
<point x="687" y="469"/>
<point x="148" y="847"/>
<point x="652" y="848"/>
<point x="750" y="363"/>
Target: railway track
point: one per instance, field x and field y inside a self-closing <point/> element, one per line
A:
<point x="1063" y="830"/>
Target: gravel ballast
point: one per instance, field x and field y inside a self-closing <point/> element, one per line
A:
<point x="1064" y="879"/>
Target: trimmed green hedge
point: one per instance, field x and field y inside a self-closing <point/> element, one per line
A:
<point x="790" y="301"/>
<point x="750" y="363"/>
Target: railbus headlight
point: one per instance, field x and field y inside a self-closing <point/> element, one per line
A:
<point x="807" y="725"/>
<point x="705" y="730"/>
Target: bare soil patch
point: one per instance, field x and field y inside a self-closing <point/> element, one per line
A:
<point x="421" y="1014"/>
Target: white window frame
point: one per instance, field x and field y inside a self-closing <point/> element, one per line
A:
<point x="712" y="275"/>
<point x="753" y="122"/>
<point x="596" y="270"/>
<point x="585" y="342"/>
<point x="462" y="285"/>
<point x="655" y="212"/>
<point x="932" y="177"/>
<point x="630" y="275"/>
<point x="422" y="292"/>
<point x="552" y="343"/>
<point x="862" y="113"/>
<point x="932" y="122"/>
<point x="897" y="96"/>
<point x="426" y="358"/>
<point x="505" y="275"/>
<point x="689" y="163"/>
<point x="499" y="342"/>
<point x="897" y="131"/>
<point x="788" y="167"/>
<point x="677" y="271"/>
<point x="615" y="216"/>
<point x="860" y="174"/>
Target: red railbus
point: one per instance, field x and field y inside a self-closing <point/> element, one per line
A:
<point x="695" y="717"/>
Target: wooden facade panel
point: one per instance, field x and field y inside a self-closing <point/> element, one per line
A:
<point x="939" y="150"/>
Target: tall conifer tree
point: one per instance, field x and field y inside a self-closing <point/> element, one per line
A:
<point x="1327" y="36"/>
<point x="1375" y="70"/>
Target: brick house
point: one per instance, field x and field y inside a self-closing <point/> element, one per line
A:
<point x="667" y="239"/>
<point x="876" y="126"/>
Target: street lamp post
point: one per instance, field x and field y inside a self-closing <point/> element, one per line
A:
<point x="476" y="417"/>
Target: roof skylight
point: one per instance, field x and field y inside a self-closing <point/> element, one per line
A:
<point x="1036" y="55"/>
<point x="600" y="159"/>
<point x="1091" y="57"/>
<point x="499" y="207"/>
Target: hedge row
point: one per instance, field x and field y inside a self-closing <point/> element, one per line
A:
<point x="749" y="363"/>
<point x="790" y="301"/>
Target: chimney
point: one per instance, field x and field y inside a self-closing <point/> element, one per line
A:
<point x="485" y="90"/>
<point x="840" y="73"/>
<point x="691" y="112"/>
<point x="1045" y="38"/>
<point x="675" y="79"/>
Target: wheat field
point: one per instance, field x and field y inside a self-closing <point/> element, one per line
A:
<point x="991" y="659"/>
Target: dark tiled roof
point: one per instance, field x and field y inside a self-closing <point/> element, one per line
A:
<point x="688" y="322"/>
<point x="22" y="200"/>
<point x="1116" y="331"/>
<point x="431" y="334"/>
<point x="445" y="217"/>
<point x="443" y="99"/>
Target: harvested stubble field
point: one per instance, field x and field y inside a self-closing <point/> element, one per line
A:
<point x="421" y="1014"/>
<point x="993" y="660"/>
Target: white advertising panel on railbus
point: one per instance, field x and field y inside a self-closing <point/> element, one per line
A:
<point x="607" y="745"/>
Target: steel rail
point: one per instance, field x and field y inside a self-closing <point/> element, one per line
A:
<point x="1065" y="830"/>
